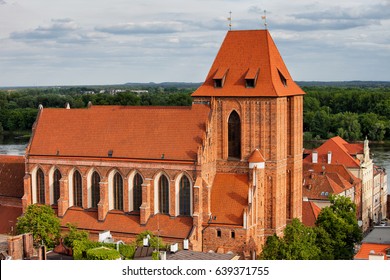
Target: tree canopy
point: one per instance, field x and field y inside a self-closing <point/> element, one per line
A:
<point x="42" y="222"/>
<point x="340" y="222"/>
<point x="333" y="238"/>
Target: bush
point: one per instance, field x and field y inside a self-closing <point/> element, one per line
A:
<point x="80" y="248"/>
<point x="155" y="255"/>
<point x="74" y="234"/>
<point x="127" y="251"/>
<point x="103" y="253"/>
<point x="154" y="241"/>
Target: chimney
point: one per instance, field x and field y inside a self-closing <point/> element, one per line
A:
<point x="329" y="157"/>
<point x="315" y="156"/>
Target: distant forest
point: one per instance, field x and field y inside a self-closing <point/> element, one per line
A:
<point x="352" y="110"/>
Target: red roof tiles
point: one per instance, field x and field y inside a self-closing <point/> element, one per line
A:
<point x="310" y="213"/>
<point x="341" y="150"/>
<point x="244" y="53"/>
<point x="229" y="197"/>
<point x="179" y="227"/>
<point x="321" y="180"/>
<point x="256" y="156"/>
<point x="170" y="133"/>
<point x="8" y="218"/>
<point x="366" y="248"/>
<point x="12" y="171"/>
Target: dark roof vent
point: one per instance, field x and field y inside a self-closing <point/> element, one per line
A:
<point x="220" y="77"/>
<point x="251" y="77"/>
<point x="110" y="152"/>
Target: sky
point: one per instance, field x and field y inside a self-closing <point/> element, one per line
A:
<point x="98" y="42"/>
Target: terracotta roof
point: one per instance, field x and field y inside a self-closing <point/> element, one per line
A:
<point x="366" y="248"/>
<point x="320" y="180"/>
<point x="229" y="197"/>
<point x="178" y="227"/>
<point x="171" y="133"/>
<point x="12" y="171"/>
<point x="8" y="218"/>
<point x="192" y="255"/>
<point x="244" y="53"/>
<point x="310" y="213"/>
<point x="341" y="150"/>
<point x="256" y="156"/>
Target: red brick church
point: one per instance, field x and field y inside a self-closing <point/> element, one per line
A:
<point x="224" y="173"/>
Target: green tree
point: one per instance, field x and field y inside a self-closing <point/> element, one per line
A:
<point x="298" y="243"/>
<point x="320" y="123"/>
<point x="340" y="222"/>
<point x="272" y="249"/>
<point x="42" y="222"/>
<point x="74" y="234"/>
<point x="154" y="241"/>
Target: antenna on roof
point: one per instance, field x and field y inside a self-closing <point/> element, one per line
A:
<point x="230" y="20"/>
<point x="264" y="18"/>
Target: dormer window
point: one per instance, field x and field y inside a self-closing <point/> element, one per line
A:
<point x="251" y="77"/>
<point x="217" y="83"/>
<point x="282" y="79"/>
<point x="220" y="77"/>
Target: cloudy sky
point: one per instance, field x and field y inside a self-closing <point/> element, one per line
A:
<point x="78" y="42"/>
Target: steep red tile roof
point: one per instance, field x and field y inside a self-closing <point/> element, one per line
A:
<point x="341" y="150"/>
<point x="320" y="180"/>
<point x="229" y="197"/>
<point x="244" y="53"/>
<point x="310" y="213"/>
<point x="171" y="133"/>
<point x="179" y="227"/>
<point x="8" y="218"/>
<point x="12" y="171"/>
<point x="366" y="248"/>
<point x="256" y="156"/>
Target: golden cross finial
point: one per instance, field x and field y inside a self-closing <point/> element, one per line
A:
<point x="230" y="20"/>
<point x="264" y="17"/>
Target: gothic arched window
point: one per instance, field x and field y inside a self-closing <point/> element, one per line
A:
<point x="95" y="189"/>
<point x="56" y="186"/>
<point x="77" y="189"/>
<point x="185" y="196"/>
<point x="234" y="136"/>
<point x="40" y="186"/>
<point x="137" y="191"/>
<point x="163" y="192"/>
<point x="118" y="192"/>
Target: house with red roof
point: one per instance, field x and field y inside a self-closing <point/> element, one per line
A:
<point x="322" y="180"/>
<point x="12" y="169"/>
<point x="376" y="245"/>
<point x="350" y="163"/>
<point x="222" y="174"/>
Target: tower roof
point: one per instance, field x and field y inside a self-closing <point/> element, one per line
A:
<point x="248" y="64"/>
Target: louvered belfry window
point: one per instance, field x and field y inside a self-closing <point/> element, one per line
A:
<point x="234" y="136"/>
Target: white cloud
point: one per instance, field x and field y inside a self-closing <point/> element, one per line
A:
<point x="58" y="42"/>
